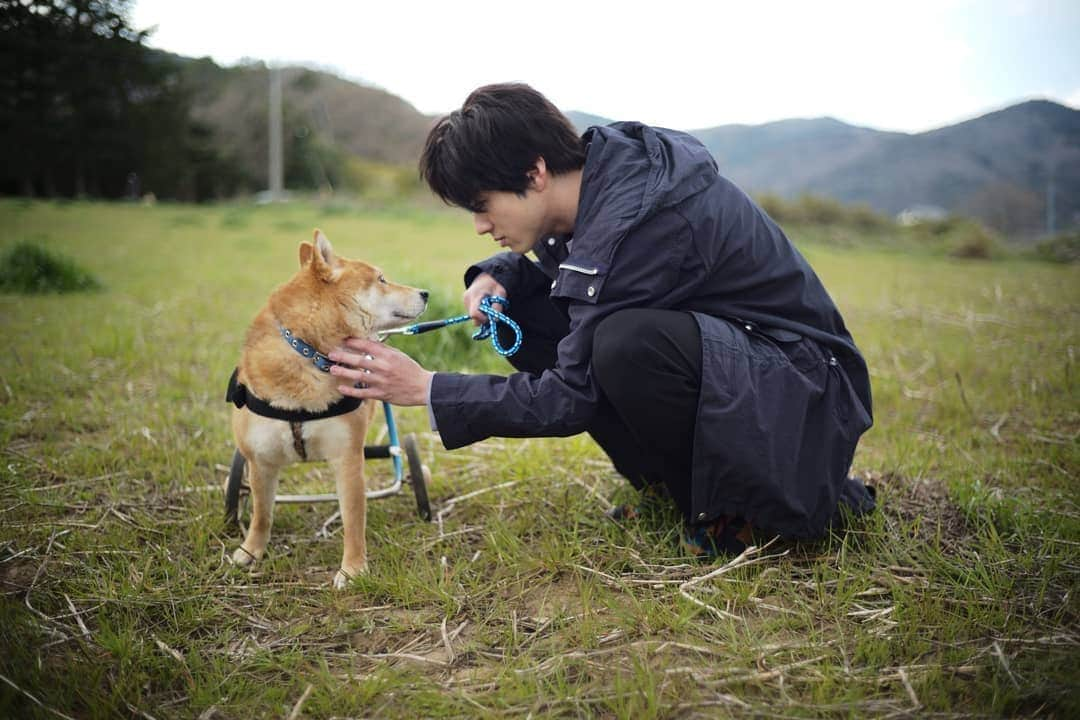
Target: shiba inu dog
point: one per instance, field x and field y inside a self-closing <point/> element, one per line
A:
<point x="288" y="407"/>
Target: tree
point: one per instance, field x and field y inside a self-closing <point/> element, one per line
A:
<point x="85" y="106"/>
<point x="1007" y="207"/>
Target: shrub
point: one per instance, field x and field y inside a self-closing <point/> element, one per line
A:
<point x="938" y="227"/>
<point x="26" y="268"/>
<point x="816" y="210"/>
<point x="972" y="240"/>
<point x="1062" y="248"/>
<point x="956" y="236"/>
<point x="776" y="207"/>
<point x="864" y="217"/>
<point x="820" y="211"/>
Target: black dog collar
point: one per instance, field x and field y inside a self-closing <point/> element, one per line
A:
<point x="317" y="358"/>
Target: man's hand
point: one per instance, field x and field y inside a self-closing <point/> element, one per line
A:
<point x="386" y="373"/>
<point x="482" y="286"/>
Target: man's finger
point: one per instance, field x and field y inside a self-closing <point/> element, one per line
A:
<point x="345" y="358"/>
<point x="365" y="393"/>
<point x="359" y="374"/>
<point x="348" y="358"/>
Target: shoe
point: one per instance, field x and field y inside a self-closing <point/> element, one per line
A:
<point x="652" y="498"/>
<point x="619" y="513"/>
<point x="725" y="536"/>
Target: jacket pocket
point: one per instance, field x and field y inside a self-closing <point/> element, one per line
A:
<point x="848" y="409"/>
<point x="801" y="352"/>
<point x="579" y="279"/>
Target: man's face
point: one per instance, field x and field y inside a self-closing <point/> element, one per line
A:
<point x="514" y="221"/>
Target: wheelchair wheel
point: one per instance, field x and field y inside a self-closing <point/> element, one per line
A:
<point x="418" y="477"/>
<point x="236" y="490"/>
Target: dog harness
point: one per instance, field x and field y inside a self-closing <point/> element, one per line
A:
<point x="240" y="396"/>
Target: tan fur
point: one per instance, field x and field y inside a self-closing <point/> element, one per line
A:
<point x="328" y="300"/>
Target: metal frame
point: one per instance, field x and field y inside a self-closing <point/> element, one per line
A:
<point x="393" y="450"/>
<point x="236" y="490"/>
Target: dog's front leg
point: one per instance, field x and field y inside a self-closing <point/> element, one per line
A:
<point x="263" y="480"/>
<point x="352" y="500"/>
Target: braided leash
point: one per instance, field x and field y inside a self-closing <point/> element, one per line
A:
<point x="487" y="330"/>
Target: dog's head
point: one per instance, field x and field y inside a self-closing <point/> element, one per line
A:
<point x="352" y="294"/>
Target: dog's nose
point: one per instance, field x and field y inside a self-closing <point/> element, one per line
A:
<point x="424" y="294"/>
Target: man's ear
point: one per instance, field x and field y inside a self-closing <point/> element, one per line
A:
<point x="538" y="175"/>
<point x="323" y="261"/>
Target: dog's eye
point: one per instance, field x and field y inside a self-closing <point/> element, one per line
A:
<point x="382" y="279"/>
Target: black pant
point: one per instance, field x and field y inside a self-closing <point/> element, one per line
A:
<point x="648" y="365"/>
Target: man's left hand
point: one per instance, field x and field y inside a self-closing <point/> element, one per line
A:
<point x="385" y="372"/>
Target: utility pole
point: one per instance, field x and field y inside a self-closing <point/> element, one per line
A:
<point x="1051" y="221"/>
<point x="277" y="167"/>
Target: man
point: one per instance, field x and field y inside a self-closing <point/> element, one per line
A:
<point x="667" y="315"/>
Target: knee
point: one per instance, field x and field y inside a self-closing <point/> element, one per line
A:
<point x="638" y="343"/>
<point x="618" y="339"/>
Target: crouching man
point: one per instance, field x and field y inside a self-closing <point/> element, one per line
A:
<point x="665" y="314"/>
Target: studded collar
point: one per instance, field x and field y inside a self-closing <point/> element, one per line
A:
<point x="317" y="358"/>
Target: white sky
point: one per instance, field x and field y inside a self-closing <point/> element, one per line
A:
<point x="909" y="66"/>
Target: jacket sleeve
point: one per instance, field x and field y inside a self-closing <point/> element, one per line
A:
<point x="562" y="400"/>
<point x="517" y="273"/>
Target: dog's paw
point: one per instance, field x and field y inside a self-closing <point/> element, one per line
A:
<point x="242" y="558"/>
<point x="343" y="577"/>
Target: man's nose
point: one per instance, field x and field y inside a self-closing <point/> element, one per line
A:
<point x="483" y="225"/>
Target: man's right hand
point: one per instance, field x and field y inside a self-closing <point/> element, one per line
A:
<point x="482" y="286"/>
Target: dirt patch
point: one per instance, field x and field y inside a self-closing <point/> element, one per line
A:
<point x="16" y="575"/>
<point x="922" y="505"/>
<point x="561" y="597"/>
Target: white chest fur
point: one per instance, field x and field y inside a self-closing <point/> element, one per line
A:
<point x="272" y="441"/>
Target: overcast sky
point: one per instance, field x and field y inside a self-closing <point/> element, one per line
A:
<point x="909" y="66"/>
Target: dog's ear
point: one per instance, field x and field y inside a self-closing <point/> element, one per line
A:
<point x="306" y="251"/>
<point x="323" y="261"/>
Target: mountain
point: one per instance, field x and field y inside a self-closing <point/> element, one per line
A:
<point x="1001" y="167"/>
<point x="787" y="157"/>
<point x="1005" y="167"/>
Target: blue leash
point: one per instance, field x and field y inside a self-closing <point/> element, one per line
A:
<point x="487" y="330"/>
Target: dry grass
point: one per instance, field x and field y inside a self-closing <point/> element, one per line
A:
<point x="957" y="599"/>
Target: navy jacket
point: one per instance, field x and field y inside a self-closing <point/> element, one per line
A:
<point x="785" y="393"/>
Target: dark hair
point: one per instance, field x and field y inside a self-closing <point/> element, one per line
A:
<point x="493" y="141"/>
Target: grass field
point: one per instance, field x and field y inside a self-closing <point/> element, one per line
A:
<point x="957" y="599"/>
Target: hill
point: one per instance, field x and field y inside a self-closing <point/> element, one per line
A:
<point x="320" y="109"/>
<point x="1001" y="167"/>
<point x="1004" y="168"/>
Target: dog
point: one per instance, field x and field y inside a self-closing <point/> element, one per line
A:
<point x="282" y="382"/>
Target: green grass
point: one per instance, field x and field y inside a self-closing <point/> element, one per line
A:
<point x="958" y="598"/>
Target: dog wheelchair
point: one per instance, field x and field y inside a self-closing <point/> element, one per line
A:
<point x="236" y="491"/>
<point x="418" y="477"/>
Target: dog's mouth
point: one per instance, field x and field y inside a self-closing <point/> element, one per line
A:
<point x="407" y="316"/>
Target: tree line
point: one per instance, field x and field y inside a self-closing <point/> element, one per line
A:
<point x="88" y="109"/>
